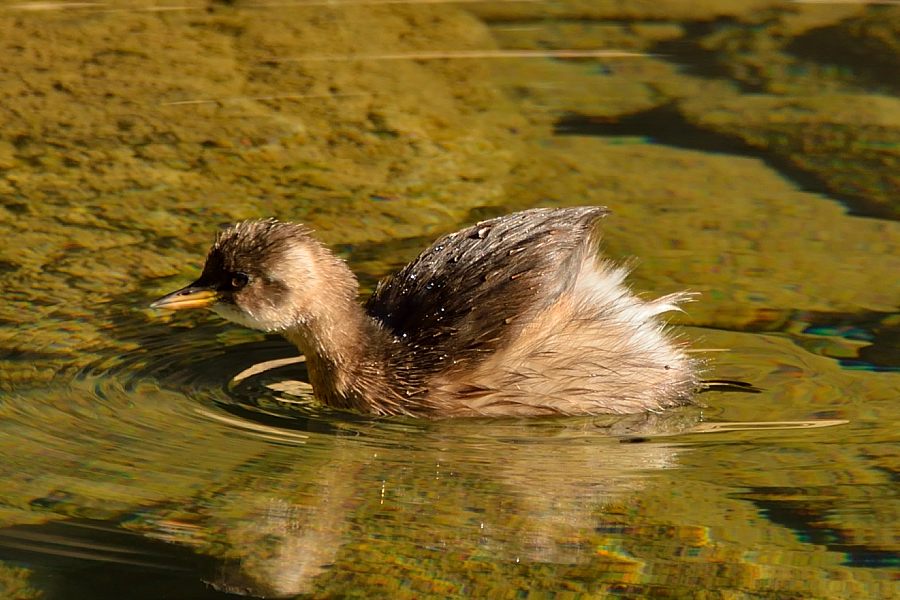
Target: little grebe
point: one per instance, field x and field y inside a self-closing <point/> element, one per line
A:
<point x="517" y="315"/>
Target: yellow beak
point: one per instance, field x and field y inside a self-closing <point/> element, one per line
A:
<point x="192" y="296"/>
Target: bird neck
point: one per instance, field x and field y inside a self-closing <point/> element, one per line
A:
<point x="342" y="358"/>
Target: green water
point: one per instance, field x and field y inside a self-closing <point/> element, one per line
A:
<point x="749" y="151"/>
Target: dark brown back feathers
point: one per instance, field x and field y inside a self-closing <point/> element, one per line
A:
<point x="470" y="290"/>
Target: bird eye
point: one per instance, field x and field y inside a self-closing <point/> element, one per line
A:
<point x="239" y="280"/>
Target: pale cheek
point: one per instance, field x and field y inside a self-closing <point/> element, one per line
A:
<point x="271" y="319"/>
<point x="262" y="322"/>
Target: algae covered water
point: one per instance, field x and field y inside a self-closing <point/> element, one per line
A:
<point x="749" y="151"/>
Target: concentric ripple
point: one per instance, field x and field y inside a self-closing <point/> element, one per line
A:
<point x="225" y="374"/>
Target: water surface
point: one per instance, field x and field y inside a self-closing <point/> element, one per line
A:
<point x="748" y="150"/>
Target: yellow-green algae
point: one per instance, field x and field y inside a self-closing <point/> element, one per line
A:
<point x="15" y="584"/>
<point x="134" y="133"/>
<point x="128" y="135"/>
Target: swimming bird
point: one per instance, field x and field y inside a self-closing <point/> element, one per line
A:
<point x="519" y="315"/>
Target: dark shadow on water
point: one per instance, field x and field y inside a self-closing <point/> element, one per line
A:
<point x="692" y="57"/>
<point x="100" y="560"/>
<point x="806" y="513"/>
<point x="666" y="125"/>
<point x="858" y="48"/>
